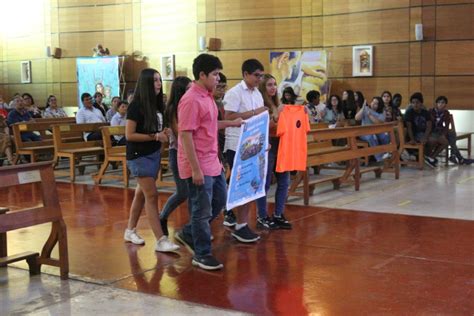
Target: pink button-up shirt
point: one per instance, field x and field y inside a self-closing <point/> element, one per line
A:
<point x="197" y="113"/>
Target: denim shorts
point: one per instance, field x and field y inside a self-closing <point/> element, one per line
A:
<point x="145" y="166"/>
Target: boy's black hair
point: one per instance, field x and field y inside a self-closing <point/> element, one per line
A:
<point x="222" y="78"/>
<point x="85" y="95"/>
<point x="251" y="65"/>
<point x="418" y="96"/>
<point x="442" y="98"/>
<point x="206" y="63"/>
<point x="312" y="95"/>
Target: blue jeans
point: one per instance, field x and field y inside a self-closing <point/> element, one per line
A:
<point x="182" y="191"/>
<point x="283" y="182"/>
<point x="207" y="201"/>
<point x="30" y="137"/>
<point x="375" y="140"/>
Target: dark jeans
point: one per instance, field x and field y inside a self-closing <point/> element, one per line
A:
<point x="207" y="201"/>
<point x="30" y="137"/>
<point x="283" y="182"/>
<point x="94" y="136"/>
<point x="182" y="191"/>
<point x="452" y="143"/>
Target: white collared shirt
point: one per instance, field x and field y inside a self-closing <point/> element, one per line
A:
<point x="85" y="115"/>
<point x="239" y="99"/>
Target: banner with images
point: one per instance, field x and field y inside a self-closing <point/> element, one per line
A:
<point x="302" y="71"/>
<point x="247" y="180"/>
<point x="98" y="74"/>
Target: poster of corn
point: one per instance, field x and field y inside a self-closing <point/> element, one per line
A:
<point x="302" y="71"/>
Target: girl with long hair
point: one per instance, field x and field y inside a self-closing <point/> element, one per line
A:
<point x="144" y="133"/>
<point x="349" y="105"/>
<point x="268" y="88"/>
<point x="178" y="89"/>
<point x="333" y="114"/>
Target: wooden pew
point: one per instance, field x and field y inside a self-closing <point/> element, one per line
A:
<point x="404" y="146"/>
<point x="459" y="136"/>
<point x="319" y="153"/>
<point x="36" y="148"/>
<point x="113" y="154"/>
<point x="75" y="151"/>
<point x="49" y="212"/>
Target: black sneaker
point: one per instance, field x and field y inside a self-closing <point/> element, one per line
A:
<point x="181" y="237"/>
<point x="282" y="222"/>
<point x="466" y="161"/>
<point x="430" y="162"/>
<point x="266" y="222"/>
<point x="245" y="235"/>
<point x="207" y="263"/>
<point x="229" y="219"/>
<point x="164" y="226"/>
<point x="453" y="159"/>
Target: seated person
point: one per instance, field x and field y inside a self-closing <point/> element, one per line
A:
<point x="20" y="114"/>
<point x="288" y="96"/>
<point x="441" y="121"/>
<point x="332" y="113"/>
<point x="52" y="108"/>
<point x="31" y="106"/>
<point x="5" y="140"/>
<point x="89" y="114"/>
<point x="314" y="107"/>
<point x="419" y="126"/>
<point x="120" y="119"/>
<point x="113" y="109"/>
<point x="4" y="106"/>
<point x="98" y="104"/>
<point x="370" y="115"/>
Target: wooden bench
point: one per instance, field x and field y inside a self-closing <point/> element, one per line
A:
<point x="420" y="162"/>
<point x="161" y="180"/>
<point x="459" y="136"/>
<point x="49" y="212"/>
<point x="75" y="151"/>
<point x="113" y="154"/>
<point x="321" y="151"/>
<point x="43" y="147"/>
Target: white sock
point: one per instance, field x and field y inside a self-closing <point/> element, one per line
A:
<point x="239" y="226"/>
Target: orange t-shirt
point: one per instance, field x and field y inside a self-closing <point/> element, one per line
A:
<point x="293" y="125"/>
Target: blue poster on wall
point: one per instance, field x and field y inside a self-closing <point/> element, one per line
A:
<point x="98" y="74"/>
<point x="247" y="180"/>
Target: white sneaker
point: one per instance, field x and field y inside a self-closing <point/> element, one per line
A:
<point x="165" y="245"/>
<point x="405" y="155"/>
<point x="131" y="235"/>
<point x="386" y="156"/>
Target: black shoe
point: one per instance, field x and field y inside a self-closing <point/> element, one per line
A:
<point x="266" y="222"/>
<point x="229" y="219"/>
<point x="466" y="161"/>
<point x="207" y="263"/>
<point x="245" y="235"/>
<point x="181" y="237"/>
<point x="164" y="226"/>
<point x="454" y="160"/>
<point x="282" y="222"/>
<point x="430" y="162"/>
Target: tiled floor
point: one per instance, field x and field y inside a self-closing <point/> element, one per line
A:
<point x="334" y="261"/>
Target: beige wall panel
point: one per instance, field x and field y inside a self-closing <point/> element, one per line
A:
<point x="25" y="48"/>
<point x="415" y="58"/>
<point x="78" y="3"/>
<point x="38" y="91"/>
<point x="369" y="27"/>
<point x="232" y="61"/>
<point x="56" y="70"/>
<point x="307" y="32"/>
<point x="81" y="44"/>
<point x="371" y="87"/>
<point x="414" y="3"/>
<point x="317" y="31"/>
<point x="54" y="20"/>
<point x="206" y="10"/>
<point x="389" y="60"/>
<point x="68" y="70"/>
<point x="182" y="38"/>
<point x="259" y="34"/>
<point x="415" y="86"/>
<point x="349" y="6"/>
<point x="429" y="23"/>
<point x="317" y="7"/>
<point x="455" y="22"/>
<point x="69" y="94"/>
<point x="251" y="9"/>
<point x="101" y="18"/>
<point x="38" y="71"/>
<point x="160" y="13"/>
<point x="453" y="1"/>
<point x="455" y="58"/>
<point x="458" y="90"/>
<point x="415" y="18"/>
<point x="428" y="58"/>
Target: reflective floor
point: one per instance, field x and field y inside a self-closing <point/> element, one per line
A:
<point x="333" y="262"/>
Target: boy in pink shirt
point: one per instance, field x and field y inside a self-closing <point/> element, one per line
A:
<point x="198" y="160"/>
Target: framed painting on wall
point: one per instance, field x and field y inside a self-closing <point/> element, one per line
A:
<point x="25" y="68"/>
<point x="167" y="67"/>
<point x="362" y="61"/>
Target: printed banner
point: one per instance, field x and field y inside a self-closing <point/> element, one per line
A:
<point x="98" y="74"/>
<point x="302" y="71"/>
<point x="247" y="180"/>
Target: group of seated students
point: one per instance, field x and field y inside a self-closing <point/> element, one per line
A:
<point x="22" y="108"/>
<point x="431" y="127"/>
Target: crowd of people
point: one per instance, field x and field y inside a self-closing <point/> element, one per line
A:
<point x="200" y="122"/>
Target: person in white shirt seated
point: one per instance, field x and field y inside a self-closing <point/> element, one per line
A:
<point x="89" y="114"/>
<point x="315" y="107"/>
<point x="120" y="119"/>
